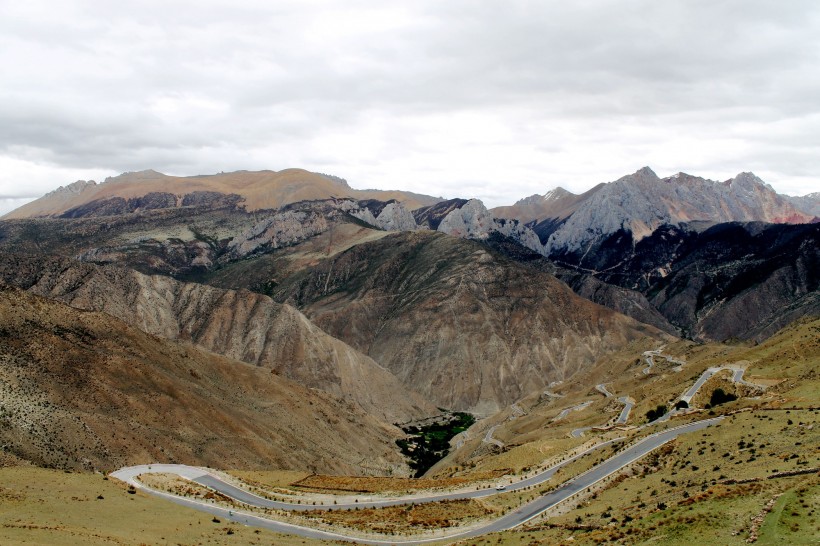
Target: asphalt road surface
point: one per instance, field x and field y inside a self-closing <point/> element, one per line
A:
<point x="509" y="521"/>
<point x="628" y="405"/>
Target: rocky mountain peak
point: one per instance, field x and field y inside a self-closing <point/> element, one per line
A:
<point x="748" y="181"/>
<point x="639" y="204"/>
<point x="75" y="188"/>
<point x="645" y="173"/>
<point x="557" y="193"/>
<point x="533" y="199"/>
<point x="473" y="221"/>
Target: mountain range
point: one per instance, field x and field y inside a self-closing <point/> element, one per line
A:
<point x="394" y="304"/>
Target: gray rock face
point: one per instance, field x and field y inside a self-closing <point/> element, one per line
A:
<point x="474" y="221"/>
<point x="395" y="217"/>
<point x="390" y="216"/>
<point x="641" y="202"/>
<point x="471" y="221"/>
<point x="810" y="204"/>
<point x="281" y="229"/>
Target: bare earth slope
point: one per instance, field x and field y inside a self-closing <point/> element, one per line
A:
<point x="241" y="325"/>
<point x="465" y="326"/>
<point x="84" y="390"/>
<point x="259" y="190"/>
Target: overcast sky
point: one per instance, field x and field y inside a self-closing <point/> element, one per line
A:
<point x="495" y="100"/>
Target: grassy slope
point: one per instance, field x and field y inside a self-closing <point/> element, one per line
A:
<point x="39" y="506"/>
<point x="691" y="477"/>
<point x="681" y="495"/>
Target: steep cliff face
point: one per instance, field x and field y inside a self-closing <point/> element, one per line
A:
<point x="642" y="202"/>
<point x="472" y="220"/>
<point x="82" y="390"/>
<point x="238" y="324"/>
<point x="389" y="216"/>
<point x="468" y="328"/>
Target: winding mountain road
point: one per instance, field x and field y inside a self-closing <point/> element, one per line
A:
<point x="566" y="411"/>
<point x="508" y="521"/>
<point x="737" y="377"/>
<point x="601" y="387"/>
<point x="628" y="403"/>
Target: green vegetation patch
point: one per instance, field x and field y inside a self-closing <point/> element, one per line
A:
<point x="794" y="518"/>
<point x="427" y="444"/>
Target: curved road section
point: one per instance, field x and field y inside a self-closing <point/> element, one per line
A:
<point x="628" y="403"/>
<point x="508" y="521"/>
<point x="737" y="377"/>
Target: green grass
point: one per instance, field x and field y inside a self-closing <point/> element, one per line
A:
<point x="794" y="518"/>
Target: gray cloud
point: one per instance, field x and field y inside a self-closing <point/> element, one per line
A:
<point x="501" y="99"/>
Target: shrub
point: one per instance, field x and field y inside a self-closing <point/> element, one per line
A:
<point x="656" y="413"/>
<point x="719" y="396"/>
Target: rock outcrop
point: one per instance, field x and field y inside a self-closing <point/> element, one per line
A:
<point x="389" y="216"/>
<point x="278" y="230"/>
<point x="472" y="220"/>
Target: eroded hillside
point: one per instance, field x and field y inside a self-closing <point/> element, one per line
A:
<point x="83" y="390"/>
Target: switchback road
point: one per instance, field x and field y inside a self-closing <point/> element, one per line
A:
<point x="508" y="521"/>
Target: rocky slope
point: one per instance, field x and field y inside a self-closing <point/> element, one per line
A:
<point x="544" y="211"/>
<point x="253" y="190"/>
<point x="467" y="327"/>
<point x="629" y="302"/>
<point x="82" y="390"/>
<point x="732" y="280"/>
<point x="187" y="241"/>
<point x="641" y="202"/>
<point x="238" y="324"/>
<point x="809" y="204"/>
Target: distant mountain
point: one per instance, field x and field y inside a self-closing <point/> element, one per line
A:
<point x="84" y="391"/>
<point x="542" y="211"/>
<point x="641" y="202"/>
<point x="148" y="190"/>
<point x="809" y="203"/>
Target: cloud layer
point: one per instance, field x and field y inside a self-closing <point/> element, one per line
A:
<point x="496" y="100"/>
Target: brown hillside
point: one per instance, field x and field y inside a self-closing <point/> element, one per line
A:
<point x="465" y="326"/>
<point x="241" y="325"/>
<point x="84" y="390"/>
